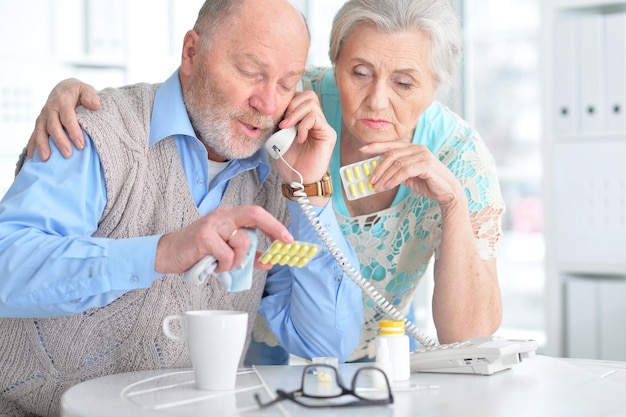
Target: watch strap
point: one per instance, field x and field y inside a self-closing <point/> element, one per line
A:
<point x="321" y="188"/>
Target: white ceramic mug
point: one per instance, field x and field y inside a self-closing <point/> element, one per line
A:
<point x="215" y="339"/>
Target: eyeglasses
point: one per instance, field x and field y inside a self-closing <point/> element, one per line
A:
<point x="321" y="387"/>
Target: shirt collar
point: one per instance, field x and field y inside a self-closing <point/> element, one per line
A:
<point x="170" y="118"/>
<point x="169" y="115"/>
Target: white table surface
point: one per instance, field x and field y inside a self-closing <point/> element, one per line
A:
<point x="537" y="387"/>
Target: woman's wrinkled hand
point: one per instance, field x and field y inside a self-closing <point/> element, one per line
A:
<point x="415" y="167"/>
<point x="58" y="118"/>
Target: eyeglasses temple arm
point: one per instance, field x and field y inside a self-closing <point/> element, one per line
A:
<point x="280" y="396"/>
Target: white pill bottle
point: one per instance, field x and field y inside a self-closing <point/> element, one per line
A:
<point x="394" y="333"/>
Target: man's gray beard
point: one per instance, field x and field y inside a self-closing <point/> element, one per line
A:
<point x="216" y="134"/>
<point x="217" y="139"/>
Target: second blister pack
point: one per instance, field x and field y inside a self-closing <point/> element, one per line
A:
<point x="355" y="178"/>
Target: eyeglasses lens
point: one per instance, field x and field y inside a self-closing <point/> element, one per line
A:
<point x="370" y="384"/>
<point x="321" y="381"/>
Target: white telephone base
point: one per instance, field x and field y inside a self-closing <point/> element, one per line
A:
<point x="482" y="355"/>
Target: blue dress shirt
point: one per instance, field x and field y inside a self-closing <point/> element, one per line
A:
<point x="50" y="265"/>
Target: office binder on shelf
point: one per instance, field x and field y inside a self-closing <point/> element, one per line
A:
<point x="566" y="77"/>
<point x="592" y="101"/>
<point x="612" y="293"/>
<point x="615" y="70"/>
<point x="582" y="332"/>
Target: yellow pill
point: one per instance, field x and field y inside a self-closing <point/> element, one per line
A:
<point x="275" y="258"/>
<point x="366" y="169"/>
<point x="374" y="164"/>
<point x="312" y="251"/>
<point x="294" y="249"/>
<point x="303" y="262"/>
<point x="284" y="260"/>
<point x="357" y="172"/>
<point x="371" y="187"/>
<point x="294" y="260"/>
<point x="352" y="190"/>
<point x="276" y="246"/>
<point x="348" y="175"/>
<point x="361" y="187"/>
<point x="266" y="257"/>
<point x="303" y="250"/>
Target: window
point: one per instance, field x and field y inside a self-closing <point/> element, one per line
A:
<point x="502" y="100"/>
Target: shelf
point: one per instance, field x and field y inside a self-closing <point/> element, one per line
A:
<point x="587" y="6"/>
<point x="593" y="270"/>
<point x="89" y="62"/>
<point x="588" y="137"/>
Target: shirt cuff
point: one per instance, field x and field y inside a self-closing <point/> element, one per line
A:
<point x="131" y="262"/>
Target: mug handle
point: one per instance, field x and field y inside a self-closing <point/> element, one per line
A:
<point x="166" y="326"/>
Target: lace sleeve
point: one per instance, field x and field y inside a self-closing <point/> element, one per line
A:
<point x="471" y="162"/>
<point x="487" y="226"/>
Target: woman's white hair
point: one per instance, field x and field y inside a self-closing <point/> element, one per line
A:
<point x="435" y="18"/>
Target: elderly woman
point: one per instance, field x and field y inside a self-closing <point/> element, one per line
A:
<point x="437" y="193"/>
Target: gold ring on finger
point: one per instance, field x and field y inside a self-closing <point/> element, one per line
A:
<point x="232" y="235"/>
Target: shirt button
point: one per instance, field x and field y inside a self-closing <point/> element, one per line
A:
<point x="338" y="279"/>
<point x="200" y="183"/>
<point x="134" y="279"/>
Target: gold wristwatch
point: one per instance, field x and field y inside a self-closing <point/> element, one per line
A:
<point x="322" y="188"/>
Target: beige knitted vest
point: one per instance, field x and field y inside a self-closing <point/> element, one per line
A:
<point x="146" y="194"/>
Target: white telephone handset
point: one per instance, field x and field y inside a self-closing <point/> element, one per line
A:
<point x="279" y="142"/>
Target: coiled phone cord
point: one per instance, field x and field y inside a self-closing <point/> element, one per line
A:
<point x="349" y="270"/>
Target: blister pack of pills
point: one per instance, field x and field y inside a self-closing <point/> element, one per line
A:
<point x="355" y="178"/>
<point x="291" y="254"/>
